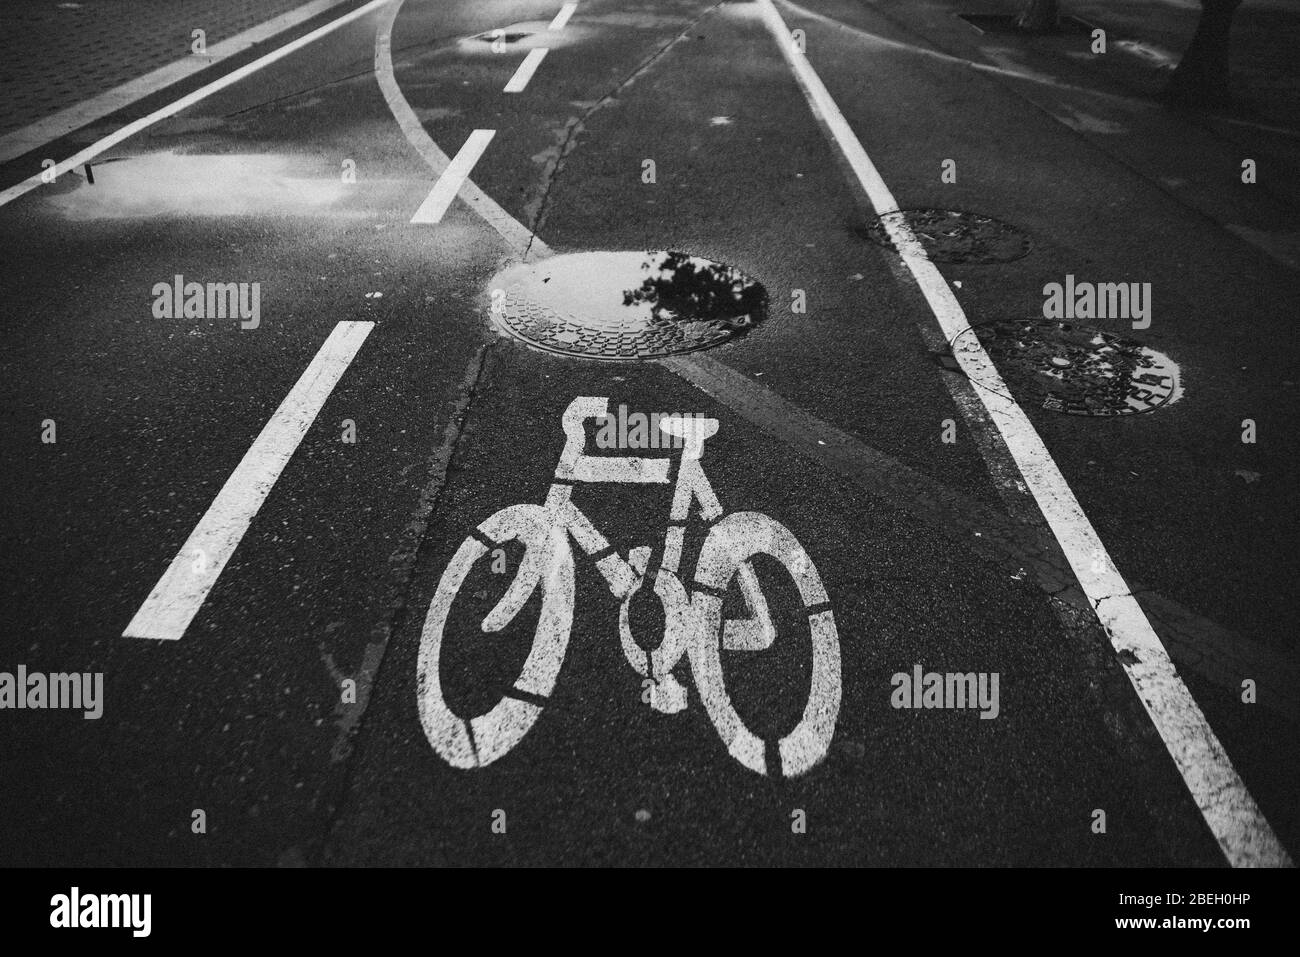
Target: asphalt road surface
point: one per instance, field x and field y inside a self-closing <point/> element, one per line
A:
<point x="242" y="521"/>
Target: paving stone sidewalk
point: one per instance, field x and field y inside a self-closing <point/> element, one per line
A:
<point x="56" y="54"/>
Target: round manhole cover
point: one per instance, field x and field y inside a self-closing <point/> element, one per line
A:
<point x="951" y="236"/>
<point x="1078" y="370"/>
<point x="625" y="305"/>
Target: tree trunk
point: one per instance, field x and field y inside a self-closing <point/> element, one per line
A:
<point x="1201" y="78"/>
<point x="1040" y="16"/>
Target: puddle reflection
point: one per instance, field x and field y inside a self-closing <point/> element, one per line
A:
<point x="175" y="184"/>
<point x="690" y="289"/>
<point x="625" y="305"/>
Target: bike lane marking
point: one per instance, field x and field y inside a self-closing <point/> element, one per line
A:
<point x="183" y="587"/>
<point x="1238" y="825"/>
<point x="990" y="534"/>
<point x="453" y="177"/>
<point x="526" y="70"/>
<point x="562" y="17"/>
<point x="548" y="563"/>
<point x="516" y="235"/>
<point x="171" y="109"/>
<point x="937" y="56"/>
<point x="1216" y="652"/>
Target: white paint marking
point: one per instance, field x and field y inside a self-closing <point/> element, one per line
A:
<point x="1007" y="71"/>
<point x="693" y="625"/>
<point x="456" y="173"/>
<point x="126" y="132"/>
<point x="727" y="549"/>
<point x="525" y="71"/>
<point x="562" y="17"/>
<point x="1234" y="818"/>
<point x="50" y="128"/>
<point x="175" y="600"/>
<point x="548" y="562"/>
<point x="518" y="236"/>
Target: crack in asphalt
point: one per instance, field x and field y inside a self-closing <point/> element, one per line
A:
<point x="575" y="125"/>
<point x="1122" y="594"/>
<point x="401" y="565"/>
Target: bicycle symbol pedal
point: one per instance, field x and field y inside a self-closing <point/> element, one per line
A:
<point x="694" y="625"/>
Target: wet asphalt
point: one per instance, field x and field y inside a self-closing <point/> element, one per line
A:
<point x="242" y="717"/>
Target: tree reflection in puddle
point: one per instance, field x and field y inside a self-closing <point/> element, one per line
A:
<point x="623" y="305"/>
<point x="684" y="288"/>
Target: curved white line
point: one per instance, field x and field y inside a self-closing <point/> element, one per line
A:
<point x="511" y="230"/>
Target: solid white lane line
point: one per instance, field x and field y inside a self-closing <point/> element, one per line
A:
<point x="171" y="109"/>
<point x="911" y="48"/>
<point x="1234" y="818"/>
<point x="525" y="71"/>
<point x="177" y="597"/>
<point x="449" y="183"/>
<point x="562" y="17"/>
<point x="74" y="117"/>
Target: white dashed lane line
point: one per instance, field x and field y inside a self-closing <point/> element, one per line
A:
<point x="525" y="71"/>
<point x="181" y="591"/>
<point x="178" y="595"/>
<point x="562" y="17"/>
<point x="452" y="178"/>
<point x="510" y="229"/>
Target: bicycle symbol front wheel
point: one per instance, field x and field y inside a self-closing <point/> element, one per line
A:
<point x="730" y="543"/>
<point x="547" y="564"/>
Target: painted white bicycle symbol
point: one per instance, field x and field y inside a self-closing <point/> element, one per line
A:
<point x="694" y="624"/>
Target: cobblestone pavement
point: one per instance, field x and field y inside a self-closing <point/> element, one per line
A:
<point x="53" y="54"/>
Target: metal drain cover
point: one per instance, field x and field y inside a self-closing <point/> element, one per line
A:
<point x="625" y="305"/>
<point x="952" y="236"/>
<point x="1078" y="370"/>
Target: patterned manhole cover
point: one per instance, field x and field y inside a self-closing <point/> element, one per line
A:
<point x="625" y="305"/>
<point x="1078" y="370"/>
<point x="951" y="236"/>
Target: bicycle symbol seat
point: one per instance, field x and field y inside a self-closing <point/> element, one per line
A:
<point x="694" y="625"/>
